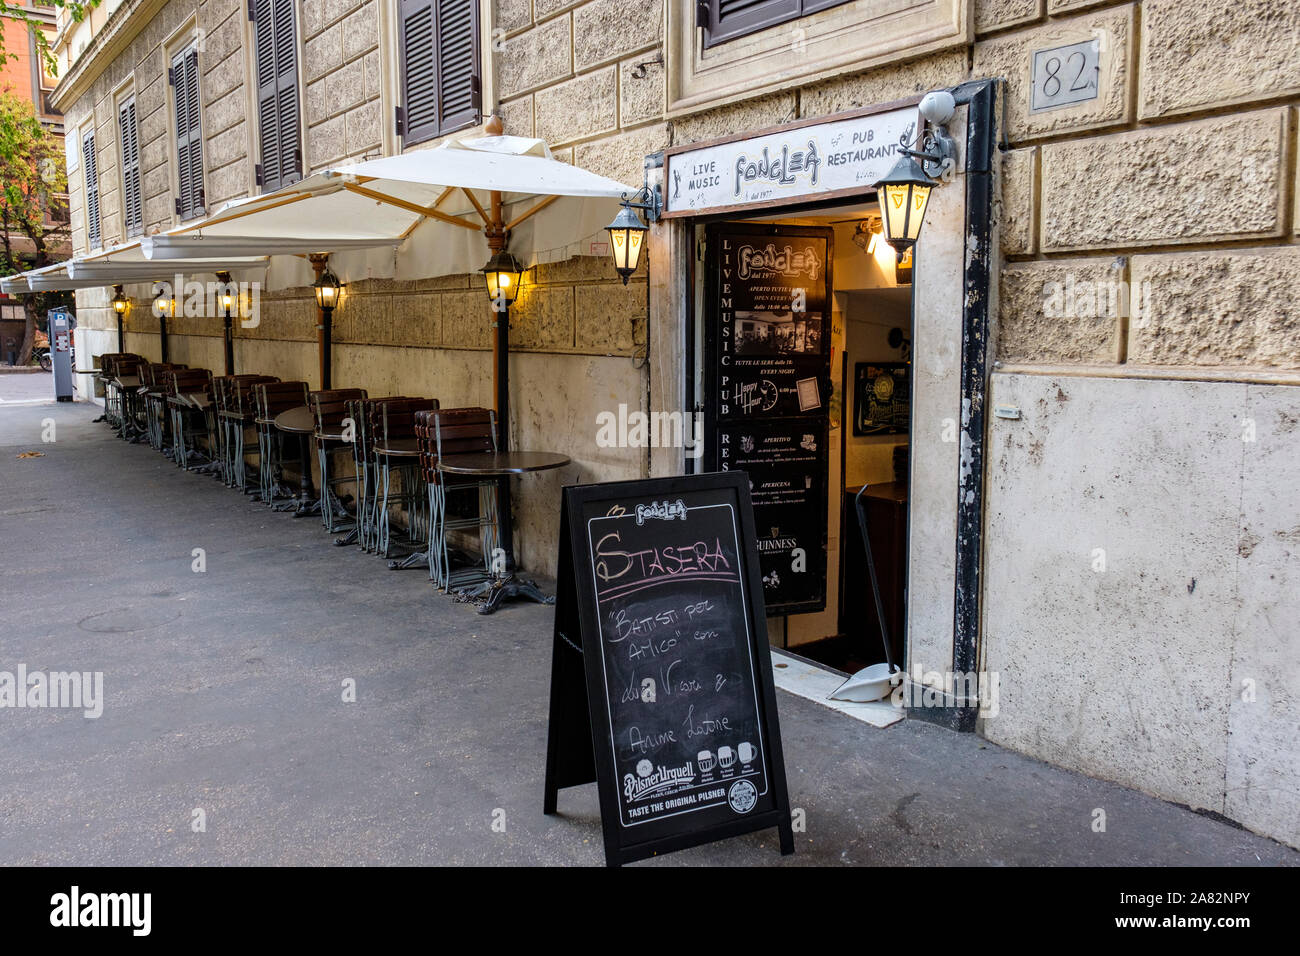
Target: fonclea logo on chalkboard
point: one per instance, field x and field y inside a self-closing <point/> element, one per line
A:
<point x="760" y="262"/>
<point x="663" y="510"/>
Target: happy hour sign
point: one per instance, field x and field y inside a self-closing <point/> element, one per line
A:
<point x="808" y="161"/>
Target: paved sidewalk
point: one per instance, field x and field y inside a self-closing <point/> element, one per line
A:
<point x="223" y="692"/>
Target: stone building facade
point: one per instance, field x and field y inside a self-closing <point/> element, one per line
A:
<point x="1139" y="559"/>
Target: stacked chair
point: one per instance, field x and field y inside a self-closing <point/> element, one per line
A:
<point x="363" y="414"/>
<point x="236" y="414"/>
<point x="153" y="389"/>
<point x="271" y="399"/>
<point x="458" y="431"/>
<point x="335" y="431"/>
<point x="397" y="461"/>
<point x="189" y="393"/>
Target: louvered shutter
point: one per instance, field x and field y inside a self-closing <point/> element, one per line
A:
<point x="728" y="19"/>
<point x="419" y="71"/>
<point x="440" y="67"/>
<point x="129" y="133"/>
<point x="88" y="165"/>
<point x="458" y="73"/>
<point x="277" y="92"/>
<point x="189" y="135"/>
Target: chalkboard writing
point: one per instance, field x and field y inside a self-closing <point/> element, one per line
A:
<point x="658" y="591"/>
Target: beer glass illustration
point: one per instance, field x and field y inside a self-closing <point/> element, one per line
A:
<point x="747" y="752"/>
<point x="726" y="758"/>
<point x="706" y="761"/>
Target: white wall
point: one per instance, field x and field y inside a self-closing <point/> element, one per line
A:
<point x="1134" y="669"/>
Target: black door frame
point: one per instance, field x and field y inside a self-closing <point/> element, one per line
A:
<point x="980" y="96"/>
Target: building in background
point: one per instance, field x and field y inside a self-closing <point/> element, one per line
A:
<point x="1094" y="495"/>
<point x="24" y="73"/>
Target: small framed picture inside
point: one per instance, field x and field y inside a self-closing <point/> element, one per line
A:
<point x="882" y="398"/>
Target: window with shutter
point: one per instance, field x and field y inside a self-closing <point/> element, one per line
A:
<point x="189" y="136"/>
<point x="129" y="137"/>
<point x="725" y="20"/>
<point x="276" y="46"/>
<point x="440" y="67"/>
<point x="93" y="235"/>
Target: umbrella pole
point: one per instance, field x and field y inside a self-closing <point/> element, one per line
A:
<point x="496" y="237"/>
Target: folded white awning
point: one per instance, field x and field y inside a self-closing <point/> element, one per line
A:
<point x="413" y="216"/>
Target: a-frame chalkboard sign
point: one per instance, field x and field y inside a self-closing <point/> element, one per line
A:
<point x="661" y="677"/>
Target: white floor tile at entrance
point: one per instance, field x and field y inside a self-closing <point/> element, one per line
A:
<point x="814" y="683"/>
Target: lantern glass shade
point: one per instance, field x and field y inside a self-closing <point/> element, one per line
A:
<point x="626" y="236"/>
<point x="903" y="196"/>
<point x="502" y="274"/>
<point x="119" y="302"/>
<point x="327" y="290"/>
<point x="163" y="305"/>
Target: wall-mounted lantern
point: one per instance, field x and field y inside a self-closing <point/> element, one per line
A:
<point x="904" y="192"/>
<point x="627" y="232"/>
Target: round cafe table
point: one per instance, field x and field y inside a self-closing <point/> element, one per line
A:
<point x="301" y="421"/>
<point x="502" y="464"/>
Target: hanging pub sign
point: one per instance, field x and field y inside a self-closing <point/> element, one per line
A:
<point x="767" y="384"/>
<point x="813" y="161"/>
<point x="661" y="677"/>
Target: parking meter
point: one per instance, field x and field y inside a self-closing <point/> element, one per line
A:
<point x="61" y="353"/>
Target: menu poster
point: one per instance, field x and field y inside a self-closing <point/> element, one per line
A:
<point x="882" y="398"/>
<point x="660" y="617"/>
<point x="786" y="464"/>
<point x="772" y="335"/>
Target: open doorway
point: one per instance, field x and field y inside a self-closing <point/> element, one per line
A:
<point x="863" y="412"/>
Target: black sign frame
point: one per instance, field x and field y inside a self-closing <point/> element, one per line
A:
<point x="717" y="333"/>
<point x="580" y="726"/>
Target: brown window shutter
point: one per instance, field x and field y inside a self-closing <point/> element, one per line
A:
<point x="277" y="92"/>
<point x="189" y="134"/>
<point x="419" y="71"/>
<point x="441" y="73"/>
<point x="93" y="234"/>
<point x="459" y="104"/>
<point x="725" y="20"/>
<point x="128" y="128"/>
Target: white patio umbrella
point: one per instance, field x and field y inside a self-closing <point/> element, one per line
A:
<point x="426" y="213"/>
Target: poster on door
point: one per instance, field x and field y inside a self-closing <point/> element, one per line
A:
<point x="773" y="322"/>
<point x="786" y="461"/>
<point x="768" y="393"/>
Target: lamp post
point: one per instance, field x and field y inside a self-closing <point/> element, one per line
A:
<point x="120" y="305"/>
<point x="228" y="330"/>
<point x="328" y="291"/>
<point x="501" y="276"/>
<point x="164" y="304"/>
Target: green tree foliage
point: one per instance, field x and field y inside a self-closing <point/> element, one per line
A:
<point x="33" y="197"/>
